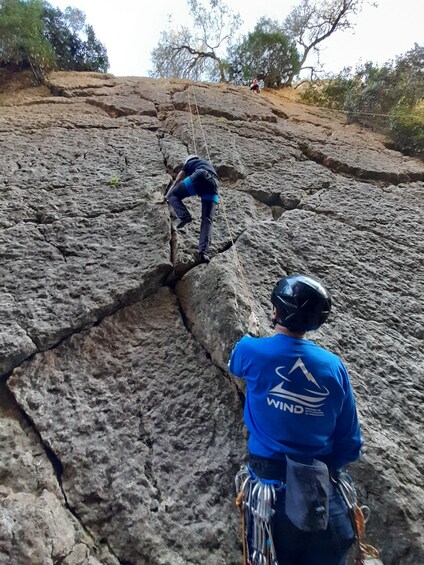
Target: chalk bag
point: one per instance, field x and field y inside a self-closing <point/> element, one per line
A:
<point x="307" y="494"/>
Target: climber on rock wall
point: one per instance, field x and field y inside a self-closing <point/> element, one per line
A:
<point x="197" y="177"/>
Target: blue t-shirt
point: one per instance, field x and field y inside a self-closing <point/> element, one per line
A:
<point x="299" y="399"/>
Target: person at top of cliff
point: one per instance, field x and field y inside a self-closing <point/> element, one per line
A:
<point x="255" y="86"/>
<point x="197" y="177"/>
<point x="301" y="416"/>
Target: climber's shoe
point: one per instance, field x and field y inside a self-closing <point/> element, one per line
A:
<point x="204" y="258"/>
<point x="183" y="223"/>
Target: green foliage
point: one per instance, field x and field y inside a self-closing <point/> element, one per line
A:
<point x="267" y="54"/>
<point x="94" y="56"/>
<point x="114" y="181"/>
<point x="276" y="52"/>
<point x="389" y="98"/>
<point x="406" y="125"/>
<point x="331" y="93"/>
<point x="74" y="42"/>
<point x="36" y="35"/>
<point x="22" y="43"/>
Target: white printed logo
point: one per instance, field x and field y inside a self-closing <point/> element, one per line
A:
<point x="309" y="402"/>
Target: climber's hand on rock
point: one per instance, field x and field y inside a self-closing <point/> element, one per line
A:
<point x="253" y="325"/>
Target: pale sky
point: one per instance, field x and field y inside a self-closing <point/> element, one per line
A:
<point x="130" y="29"/>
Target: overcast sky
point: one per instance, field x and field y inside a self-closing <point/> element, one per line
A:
<point x="130" y="29"/>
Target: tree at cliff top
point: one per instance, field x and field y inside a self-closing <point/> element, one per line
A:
<point x="196" y="52"/>
<point x="22" y="43"/>
<point x="73" y="40"/>
<point x="313" y="21"/>
<point x="36" y="35"/>
<point x="266" y="53"/>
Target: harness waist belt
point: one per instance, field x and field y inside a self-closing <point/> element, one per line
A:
<point x="275" y="469"/>
<point x="267" y="468"/>
<point x="211" y="197"/>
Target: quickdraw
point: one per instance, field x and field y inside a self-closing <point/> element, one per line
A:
<point x="256" y="502"/>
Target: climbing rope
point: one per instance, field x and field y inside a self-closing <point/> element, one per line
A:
<point x="192" y="122"/>
<point x="252" y="318"/>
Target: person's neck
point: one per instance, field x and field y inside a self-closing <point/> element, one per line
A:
<point x="282" y="330"/>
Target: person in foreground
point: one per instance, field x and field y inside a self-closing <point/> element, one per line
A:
<point x="197" y="177"/>
<point x="301" y="416"/>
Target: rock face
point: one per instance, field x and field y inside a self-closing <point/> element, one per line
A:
<point x="121" y="429"/>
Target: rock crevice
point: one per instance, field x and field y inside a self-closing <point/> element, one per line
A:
<point x="115" y="341"/>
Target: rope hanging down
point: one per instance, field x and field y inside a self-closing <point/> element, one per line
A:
<point x="192" y="123"/>
<point x="253" y="322"/>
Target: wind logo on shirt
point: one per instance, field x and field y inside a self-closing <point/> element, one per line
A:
<point x="308" y="402"/>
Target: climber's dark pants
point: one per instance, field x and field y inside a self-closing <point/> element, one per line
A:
<point x="296" y="547"/>
<point x="329" y="547"/>
<point x="175" y="199"/>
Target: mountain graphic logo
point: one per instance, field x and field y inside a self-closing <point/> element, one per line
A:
<point x="314" y="395"/>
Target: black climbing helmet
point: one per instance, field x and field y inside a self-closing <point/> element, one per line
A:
<point x="302" y="303"/>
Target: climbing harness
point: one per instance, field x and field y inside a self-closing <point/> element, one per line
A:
<point x="359" y="515"/>
<point x="256" y="502"/>
<point x="253" y="321"/>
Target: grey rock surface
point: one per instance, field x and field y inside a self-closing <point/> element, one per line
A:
<point x="36" y="524"/>
<point x="66" y="229"/>
<point x="122" y="430"/>
<point x="146" y="429"/>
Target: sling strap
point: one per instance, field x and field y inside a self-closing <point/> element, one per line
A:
<point x="358" y="516"/>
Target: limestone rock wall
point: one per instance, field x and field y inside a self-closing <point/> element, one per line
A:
<point x="121" y="430"/>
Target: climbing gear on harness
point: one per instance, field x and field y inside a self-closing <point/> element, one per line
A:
<point x="307" y="494"/>
<point x="364" y="553"/>
<point x="302" y="303"/>
<point x="240" y="504"/>
<point x="256" y="501"/>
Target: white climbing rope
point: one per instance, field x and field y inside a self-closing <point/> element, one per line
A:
<point x="253" y="322"/>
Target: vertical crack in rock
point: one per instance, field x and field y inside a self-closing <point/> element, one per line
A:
<point x="173" y="245"/>
<point x="225" y="374"/>
<point x="57" y="468"/>
<point x="148" y="496"/>
<point x="238" y="387"/>
<point x="356" y="233"/>
<point x="148" y="441"/>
